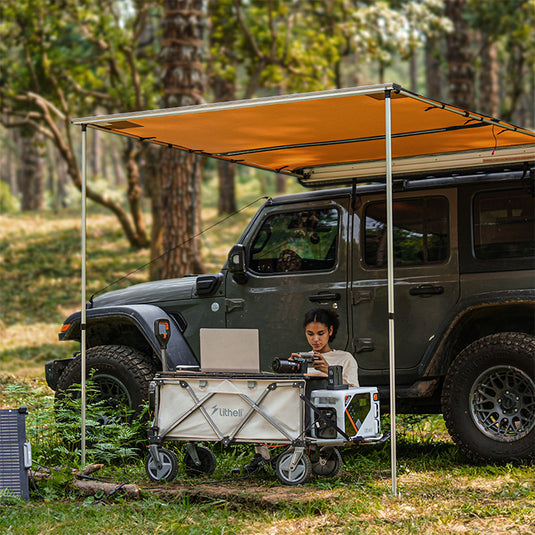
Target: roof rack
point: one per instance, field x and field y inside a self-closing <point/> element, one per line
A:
<point x="421" y="166"/>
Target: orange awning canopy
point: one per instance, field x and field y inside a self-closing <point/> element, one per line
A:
<point x="300" y="134"/>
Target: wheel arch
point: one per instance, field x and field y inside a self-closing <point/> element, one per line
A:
<point x="477" y="319"/>
<point x="132" y="325"/>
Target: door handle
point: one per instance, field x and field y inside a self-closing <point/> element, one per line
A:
<point x="427" y="290"/>
<point x="318" y="298"/>
<point x="234" y="304"/>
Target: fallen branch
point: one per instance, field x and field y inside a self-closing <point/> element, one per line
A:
<point x="86" y="485"/>
<point x="91" y="487"/>
<point x="47" y="473"/>
<point x="90" y="469"/>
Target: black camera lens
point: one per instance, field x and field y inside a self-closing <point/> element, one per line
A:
<point x="286" y="366"/>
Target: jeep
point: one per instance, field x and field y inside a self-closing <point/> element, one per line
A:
<point x="464" y="301"/>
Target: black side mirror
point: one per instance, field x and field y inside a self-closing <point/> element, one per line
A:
<point x="236" y="263"/>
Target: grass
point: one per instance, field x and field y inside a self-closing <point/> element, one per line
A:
<point x="440" y="493"/>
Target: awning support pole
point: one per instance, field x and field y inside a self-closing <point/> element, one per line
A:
<point x="390" y="271"/>
<point x="83" y="341"/>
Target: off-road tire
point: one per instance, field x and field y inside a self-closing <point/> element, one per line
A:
<point x="488" y="399"/>
<point x="123" y="374"/>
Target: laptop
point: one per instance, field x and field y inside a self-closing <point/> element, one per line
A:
<point x="230" y="350"/>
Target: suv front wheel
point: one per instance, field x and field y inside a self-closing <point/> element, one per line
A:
<point x="120" y="375"/>
<point x="488" y="399"/>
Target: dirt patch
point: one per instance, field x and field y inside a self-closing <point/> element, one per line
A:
<point x="256" y="495"/>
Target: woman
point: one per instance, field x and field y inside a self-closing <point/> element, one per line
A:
<point x="321" y="326"/>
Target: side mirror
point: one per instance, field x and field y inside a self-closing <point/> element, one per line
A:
<point x="236" y="263"/>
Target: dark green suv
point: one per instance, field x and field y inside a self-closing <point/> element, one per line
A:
<point x="464" y="300"/>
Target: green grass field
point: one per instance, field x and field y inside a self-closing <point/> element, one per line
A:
<point x="39" y="285"/>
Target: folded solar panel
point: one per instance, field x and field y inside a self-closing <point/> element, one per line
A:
<point x="15" y="453"/>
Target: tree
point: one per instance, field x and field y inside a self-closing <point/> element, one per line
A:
<point x="460" y="70"/>
<point x="183" y="83"/>
<point x="59" y="60"/>
<point x="222" y="80"/>
<point x="30" y="170"/>
<point x="269" y="45"/>
<point x="506" y="52"/>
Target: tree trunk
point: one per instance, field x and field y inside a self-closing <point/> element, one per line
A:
<point x="153" y="185"/>
<point x="227" y="193"/>
<point x="280" y="184"/>
<point x="183" y="83"/>
<point x="516" y="76"/>
<point x="117" y="166"/>
<point x="31" y="178"/>
<point x="433" y="71"/>
<point x="489" y="82"/>
<point x="12" y="161"/>
<point x="225" y="90"/>
<point x="460" y="72"/>
<point x="134" y="192"/>
<point x="413" y="70"/>
<point x="180" y="212"/>
<point x="223" y="85"/>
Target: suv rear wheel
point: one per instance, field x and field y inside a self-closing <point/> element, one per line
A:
<point x="121" y="375"/>
<point x="488" y="399"/>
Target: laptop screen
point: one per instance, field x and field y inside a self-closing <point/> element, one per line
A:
<point x="232" y="350"/>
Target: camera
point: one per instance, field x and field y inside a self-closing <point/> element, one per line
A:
<point x="296" y="365"/>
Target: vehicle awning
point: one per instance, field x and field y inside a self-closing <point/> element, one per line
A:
<point x="331" y="136"/>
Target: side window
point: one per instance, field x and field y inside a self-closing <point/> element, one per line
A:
<point x="296" y="241"/>
<point x="421" y="232"/>
<point x="504" y="225"/>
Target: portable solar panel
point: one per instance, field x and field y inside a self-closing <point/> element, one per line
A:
<point x="15" y="453"/>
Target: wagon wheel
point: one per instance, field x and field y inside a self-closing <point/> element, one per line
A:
<point x="328" y="463"/>
<point x="168" y="469"/>
<point x="299" y="474"/>
<point x="207" y="462"/>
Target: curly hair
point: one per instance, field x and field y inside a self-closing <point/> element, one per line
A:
<point x="326" y="316"/>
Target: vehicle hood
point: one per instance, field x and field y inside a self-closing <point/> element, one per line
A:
<point x="156" y="292"/>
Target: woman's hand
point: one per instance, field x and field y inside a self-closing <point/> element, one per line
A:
<point x="320" y="363"/>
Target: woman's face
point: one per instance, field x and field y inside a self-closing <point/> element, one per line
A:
<point x="318" y="336"/>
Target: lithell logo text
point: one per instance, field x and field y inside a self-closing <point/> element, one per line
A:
<point x="222" y="411"/>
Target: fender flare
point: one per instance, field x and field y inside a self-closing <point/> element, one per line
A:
<point x="143" y="317"/>
<point x="433" y="362"/>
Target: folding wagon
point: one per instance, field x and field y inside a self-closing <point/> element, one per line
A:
<point x="300" y="417"/>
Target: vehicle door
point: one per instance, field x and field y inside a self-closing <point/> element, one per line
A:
<point x="426" y="280"/>
<point x="296" y="260"/>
